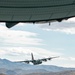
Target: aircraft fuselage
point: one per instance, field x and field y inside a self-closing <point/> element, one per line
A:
<point x="36" y="62"/>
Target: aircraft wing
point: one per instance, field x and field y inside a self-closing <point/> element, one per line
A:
<point x="50" y="58"/>
<point x="27" y="61"/>
<point x="15" y="11"/>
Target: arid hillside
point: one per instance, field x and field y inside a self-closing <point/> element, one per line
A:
<point x="2" y="74"/>
<point x="54" y="73"/>
<point x="49" y="73"/>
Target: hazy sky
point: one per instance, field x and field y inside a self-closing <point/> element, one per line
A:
<point x="42" y="40"/>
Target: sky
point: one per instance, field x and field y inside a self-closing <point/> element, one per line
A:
<point x="58" y="39"/>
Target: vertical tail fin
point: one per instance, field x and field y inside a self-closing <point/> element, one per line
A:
<point x="32" y="56"/>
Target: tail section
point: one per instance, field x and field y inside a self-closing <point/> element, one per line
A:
<point x="32" y="56"/>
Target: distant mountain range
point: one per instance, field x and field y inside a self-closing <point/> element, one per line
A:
<point x="15" y="68"/>
<point x="55" y="73"/>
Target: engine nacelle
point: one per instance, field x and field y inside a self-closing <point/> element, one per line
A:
<point x="10" y="24"/>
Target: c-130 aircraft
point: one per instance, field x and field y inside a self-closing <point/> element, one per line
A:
<point x="38" y="61"/>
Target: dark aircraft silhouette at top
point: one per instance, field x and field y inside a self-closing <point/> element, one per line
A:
<point x="32" y="11"/>
<point x="38" y="61"/>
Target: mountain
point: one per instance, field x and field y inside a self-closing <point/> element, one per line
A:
<point x="55" y="73"/>
<point x="15" y="68"/>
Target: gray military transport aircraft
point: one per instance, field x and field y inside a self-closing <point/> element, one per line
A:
<point x="35" y="11"/>
<point x="38" y="61"/>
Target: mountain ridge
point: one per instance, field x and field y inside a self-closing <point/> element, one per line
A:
<point x="8" y="67"/>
